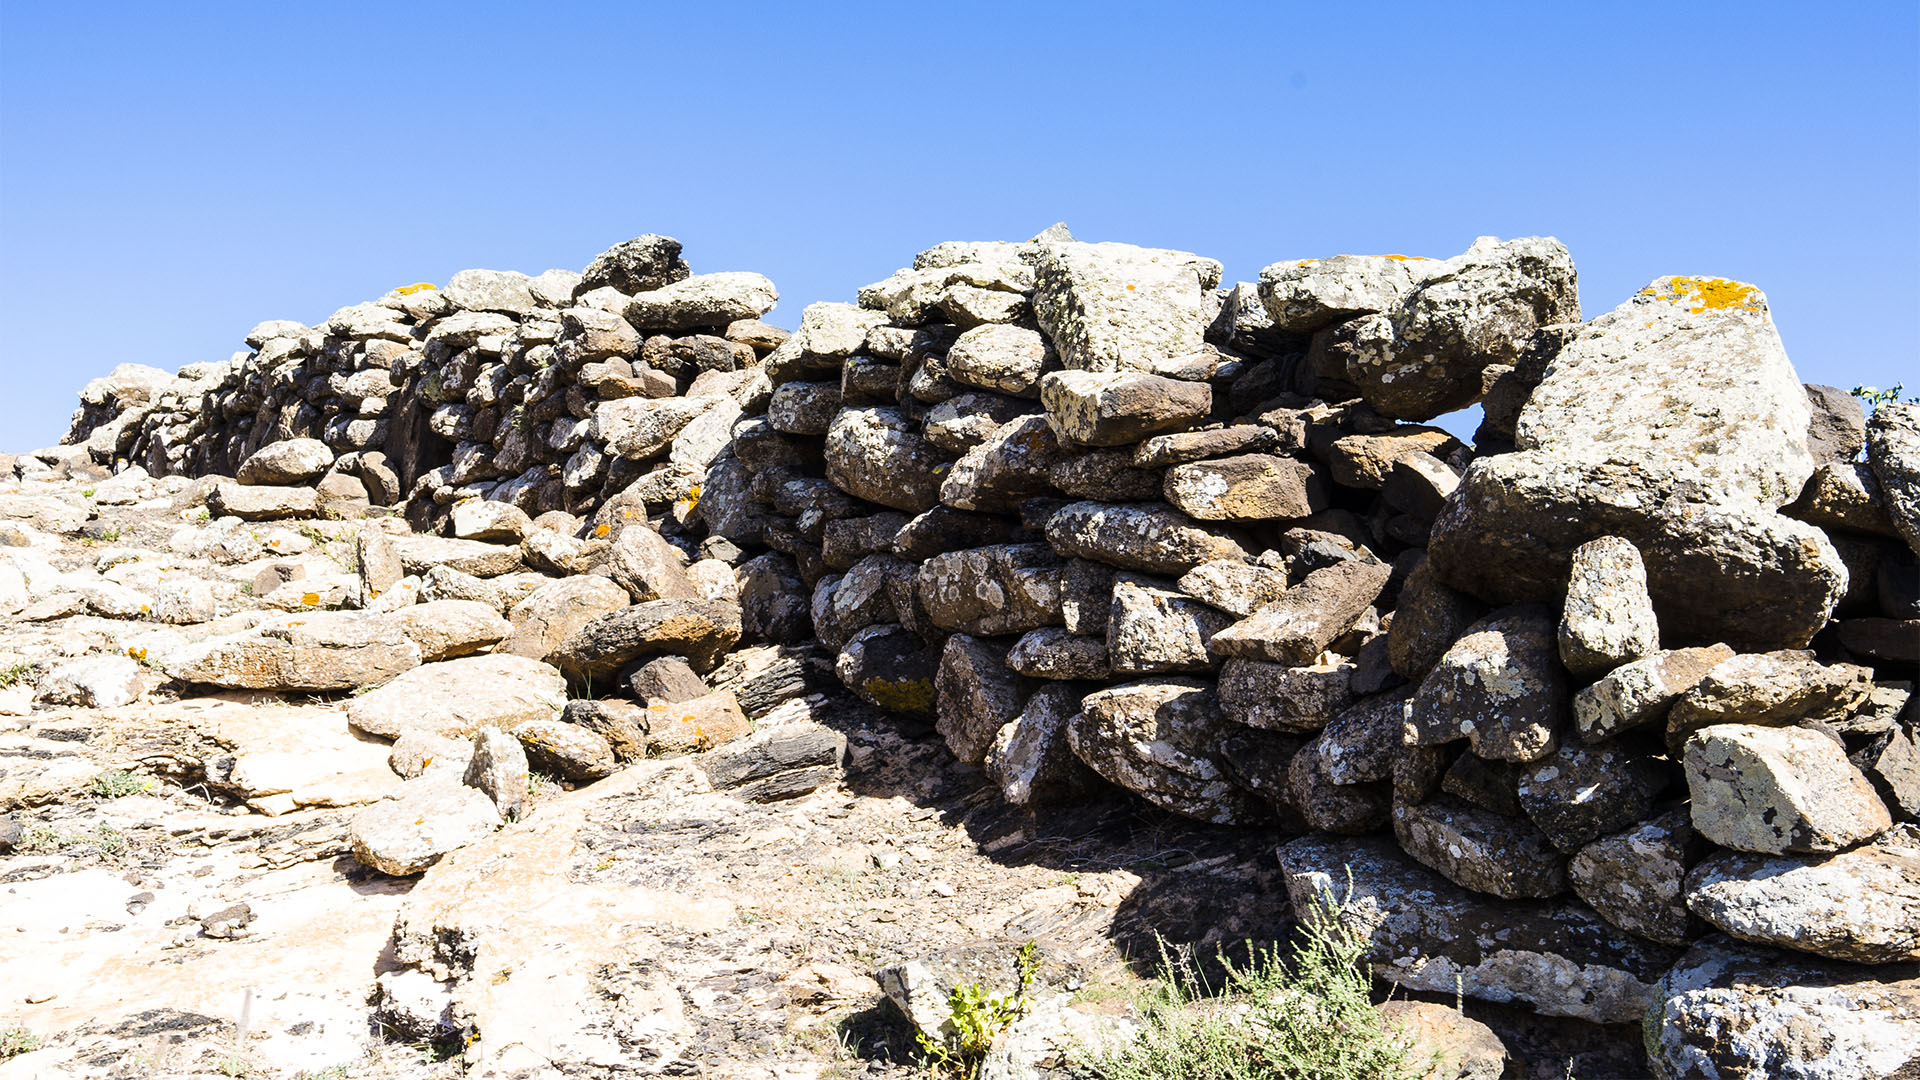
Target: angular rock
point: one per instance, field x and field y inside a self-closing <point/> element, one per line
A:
<point x="876" y="454"/>
<point x="1365" y="461"/>
<point x="444" y="629"/>
<point x="312" y="652"/>
<point x="1838" y="430"/>
<point x="290" y="461"/>
<point x="1007" y="467"/>
<point x="255" y="502"/>
<point x="1145" y="537"/>
<point x="1481" y="850"/>
<point x="1500" y="687"/>
<point x="701" y="631"/>
<point x="1608" y="617"/>
<point x="1460" y="1048"/>
<point x="1640" y="693"/>
<point x="702" y="300"/>
<point x="1637" y="879"/>
<point x="1299" y="626"/>
<point x="455" y="698"/>
<point x="1249" y="487"/>
<point x="1152" y="629"/>
<point x="1116" y="307"/>
<point x="1601" y="453"/>
<point x="634" y="266"/>
<point x="94" y="682"/>
<point x="890" y="667"/>
<point x="1003" y="589"/>
<point x="1580" y="793"/>
<point x="1427" y="619"/>
<point x="1776" y="790"/>
<point x="1861" y="906"/>
<point x="773" y="599"/>
<point x="1359" y="745"/>
<point x="1052" y="652"/>
<point x="1307" y="294"/>
<point x="498" y="769"/>
<point x="1769" y="688"/>
<point x="1844" y="496"/>
<point x="1341" y="809"/>
<point x="433" y="815"/>
<point x="622" y="724"/>
<point x="977" y="696"/>
<point x="491" y="290"/>
<point x="1276" y="697"/>
<point x="552" y="613"/>
<point x="419" y="554"/>
<point x="784" y="762"/>
<point x="640" y="428"/>
<point x="1030" y="758"/>
<point x="648" y="567"/>
<point x="1007" y="359"/>
<point x="565" y="750"/>
<point x="485" y="519"/>
<point x="1235" y="586"/>
<point x="1893" y="452"/>
<point x="1156" y="738"/>
<point x="695" y="725"/>
<point x="1115" y="408"/>
<point x="1423" y="933"/>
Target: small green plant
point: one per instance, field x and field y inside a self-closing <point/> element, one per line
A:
<point x="13" y="673"/>
<point x="976" y="1017"/>
<point x="1308" y="1017"/>
<point x="87" y="492"/>
<point x="116" y="783"/>
<point x="1874" y="397"/>
<point x="233" y="1065"/>
<point x="40" y="839"/>
<point x="17" y="1041"/>
<point x="203" y="515"/>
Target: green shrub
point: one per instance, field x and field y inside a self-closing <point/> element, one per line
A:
<point x="117" y="783"/>
<point x="13" y="673"/>
<point x="17" y="1041"/>
<point x="977" y="1018"/>
<point x="1308" y="1017"/>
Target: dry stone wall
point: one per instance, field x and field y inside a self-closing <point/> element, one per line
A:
<point x="1630" y="672"/>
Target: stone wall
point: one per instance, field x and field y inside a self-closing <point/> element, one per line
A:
<point x="1544" y="711"/>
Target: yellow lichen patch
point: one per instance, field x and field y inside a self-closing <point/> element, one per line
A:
<point x="602" y="529"/>
<point x="1710" y="294"/>
<point x="906" y="695"/>
<point x="418" y="286"/>
<point x="310" y="599"/>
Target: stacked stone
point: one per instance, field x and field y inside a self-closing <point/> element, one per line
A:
<point x="554" y="392"/>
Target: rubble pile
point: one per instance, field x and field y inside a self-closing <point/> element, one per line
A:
<point x="1552" y="716"/>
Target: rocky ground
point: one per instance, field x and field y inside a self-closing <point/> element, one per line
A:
<point x="170" y="912"/>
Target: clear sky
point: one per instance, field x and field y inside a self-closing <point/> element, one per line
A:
<point x="171" y="174"/>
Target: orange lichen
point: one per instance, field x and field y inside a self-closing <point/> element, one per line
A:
<point x="419" y="286"/>
<point x="1710" y="294"/>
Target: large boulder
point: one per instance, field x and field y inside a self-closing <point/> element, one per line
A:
<point x="1425" y="933"/>
<point x="552" y="613"/>
<point x="1246" y="487"/>
<point x="1676" y="423"/>
<point x="1001" y="589"/>
<point x="1636" y="879"/>
<point x="444" y="629"/>
<point x="1861" y="905"/>
<point x="1298" y="626"/>
<point x="1731" y="1010"/>
<point x="639" y="265"/>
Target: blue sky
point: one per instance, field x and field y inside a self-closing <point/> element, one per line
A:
<point x="172" y="174"/>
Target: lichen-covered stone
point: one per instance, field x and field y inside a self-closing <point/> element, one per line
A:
<point x="1152" y="629"/>
<point x="1677" y="423"/>
<point x="978" y="696"/>
<point x="699" y="630"/>
<point x="1360" y="744"/>
<point x="1893" y="452"/>
<point x="877" y="455"/>
<point x="890" y="667"/>
<point x="1279" y="697"/>
<point x="1298" y="627"/>
<point x="1247" y="487"/>
<point x="1637" y="879"/>
<point x="1639" y="693"/>
<point x="1053" y="652"/>
<point x="1580" y="793"/>
<point x="1776" y="790"/>
<point x="1235" y="586"/>
<point x="1608" y="617"/>
<point x="1117" y="307"/>
<point x="1114" y="408"/>
<point x="1424" y="933"/>
<point x="1157" y="738"/>
<point x="1307" y="294"/>
<point x="1768" y="688"/>
<point x="1481" y="850"/>
<point x="1500" y="687"/>
<point x="1861" y="906"/>
<point x="1147" y="537"/>
<point x="1030" y="759"/>
<point x="1002" y="589"/>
